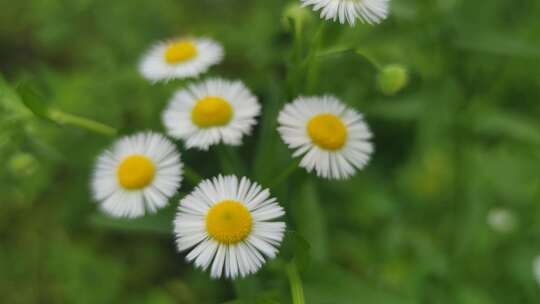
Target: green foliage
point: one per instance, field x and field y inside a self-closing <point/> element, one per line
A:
<point x="458" y="141"/>
<point x="160" y="223"/>
<point x="32" y="100"/>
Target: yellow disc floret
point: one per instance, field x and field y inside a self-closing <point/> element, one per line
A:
<point x="211" y="111"/>
<point x="136" y="172"/>
<point x="229" y="222"/>
<point x="327" y="131"/>
<point x="180" y="51"/>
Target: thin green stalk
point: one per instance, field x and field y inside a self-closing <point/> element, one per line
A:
<point x="295" y="67"/>
<point x="369" y="58"/>
<point x="284" y="175"/>
<point x="295" y="282"/>
<point x="315" y="44"/>
<point x="236" y="160"/>
<point x="334" y="52"/>
<point x="311" y="64"/>
<point x="298" y="45"/>
<point x="342" y="50"/>
<point x="224" y="156"/>
<point x="63" y="118"/>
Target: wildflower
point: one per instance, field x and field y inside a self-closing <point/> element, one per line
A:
<point x="211" y="112"/>
<point x="139" y="173"/>
<point x="367" y="11"/>
<point x="180" y="58"/>
<point x="228" y="224"/>
<point x="333" y="138"/>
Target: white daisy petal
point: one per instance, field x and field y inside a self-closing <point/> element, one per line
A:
<point x="188" y="241"/>
<point x="367" y="11"/>
<point x="204" y="259"/>
<point x="180" y="58"/>
<point x="333" y="139"/>
<point x="228" y="223"/>
<point x="137" y="175"/>
<point x="219" y="260"/>
<point x="211" y="112"/>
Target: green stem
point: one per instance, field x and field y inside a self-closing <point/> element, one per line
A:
<point x="225" y="161"/>
<point x="333" y="52"/>
<point x="295" y="65"/>
<point x="286" y="173"/>
<point x="63" y="118"/>
<point x="192" y="176"/>
<point x="369" y="58"/>
<point x="298" y="39"/>
<point x="311" y="64"/>
<point x="297" y="291"/>
<point x="238" y="162"/>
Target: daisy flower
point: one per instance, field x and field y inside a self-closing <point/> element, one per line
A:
<point x="180" y="58"/>
<point x="211" y="112"/>
<point x="367" y="11"/>
<point x="228" y="226"/>
<point x="139" y="173"/>
<point x="334" y="138"/>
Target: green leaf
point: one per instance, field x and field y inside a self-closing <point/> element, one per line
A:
<point x="310" y="220"/>
<point x="32" y="99"/>
<point x="10" y="103"/>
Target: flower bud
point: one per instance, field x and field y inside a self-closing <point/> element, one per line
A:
<point x="392" y="79"/>
<point x="295" y="11"/>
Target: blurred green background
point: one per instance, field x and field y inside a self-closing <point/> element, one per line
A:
<point x="448" y="211"/>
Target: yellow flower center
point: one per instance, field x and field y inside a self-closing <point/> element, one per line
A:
<point x="211" y="111"/>
<point x="229" y="222"/>
<point x="180" y="51"/>
<point x="327" y="131"/>
<point x="136" y="172"/>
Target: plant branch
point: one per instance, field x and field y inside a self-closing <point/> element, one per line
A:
<point x="63" y="118"/>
